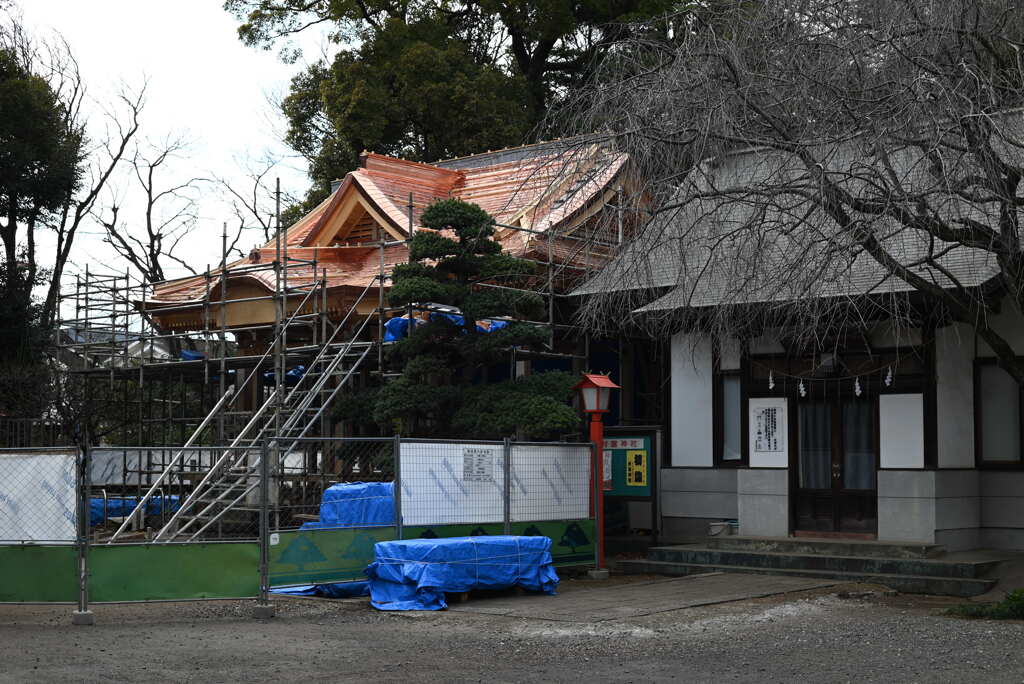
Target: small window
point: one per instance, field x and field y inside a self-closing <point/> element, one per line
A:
<point x="999" y="410"/>
<point x="732" y="419"/>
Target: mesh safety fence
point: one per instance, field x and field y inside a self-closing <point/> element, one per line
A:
<point x="38" y="495"/>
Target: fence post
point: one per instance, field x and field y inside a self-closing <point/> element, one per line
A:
<point x="83" y="616"/>
<point x="507" y="467"/>
<point x="263" y="608"/>
<point x="396" y="488"/>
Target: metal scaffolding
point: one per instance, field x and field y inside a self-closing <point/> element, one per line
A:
<point x="196" y="406"/>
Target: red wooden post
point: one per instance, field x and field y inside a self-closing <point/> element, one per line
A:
<point x="597" y="437"/>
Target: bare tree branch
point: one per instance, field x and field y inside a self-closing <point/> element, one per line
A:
<point x="815" y="165"/>
<point x="169" y="213"/>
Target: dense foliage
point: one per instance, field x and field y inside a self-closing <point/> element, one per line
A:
<point x="25" y="376"/>
<point x="428" y="79"/>
<point x="39" y="166"/>
<point x="443" y="388"/>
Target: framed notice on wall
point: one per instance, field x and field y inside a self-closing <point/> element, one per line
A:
<point x="769" y="429"/>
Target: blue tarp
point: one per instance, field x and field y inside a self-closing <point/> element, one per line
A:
<point x="189" y="355"/>
<point x="398" y="327"/>
<point x="356" y="504"/>
<point x="120" y="506"/>
<point x="291" y="376"/>
<point x="414" y="574"/>
<point x="335" y="591"/>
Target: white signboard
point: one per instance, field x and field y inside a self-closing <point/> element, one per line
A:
<point x="445" y="483"/>
<point x="37" y="496"/>
<point x="477" y="464"/>
<point x="769" y="426"/>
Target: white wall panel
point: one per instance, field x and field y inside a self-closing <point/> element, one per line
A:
<point x="901" y="428"/>
<point x="691" y="401"/>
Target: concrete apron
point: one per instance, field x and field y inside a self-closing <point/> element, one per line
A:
<point x="639" y="599"/>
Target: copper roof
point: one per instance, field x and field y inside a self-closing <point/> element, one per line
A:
<point x="543" y="188"/>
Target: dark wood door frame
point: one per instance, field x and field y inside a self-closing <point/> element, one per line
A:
<point x="839" y="497"/>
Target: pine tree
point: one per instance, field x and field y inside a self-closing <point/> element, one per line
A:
<point x="442" y="389"/>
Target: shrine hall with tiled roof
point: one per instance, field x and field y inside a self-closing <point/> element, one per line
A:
<point x="548" y="189"/>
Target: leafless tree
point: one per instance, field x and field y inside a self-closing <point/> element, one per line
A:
<point x="103" y="157"/>
<point x="818" y="164"/>
<point x="99" y="150"/>
<point x="169" y="211"/>
<point x="254" y="200"/>
<point x="254" y="204"/>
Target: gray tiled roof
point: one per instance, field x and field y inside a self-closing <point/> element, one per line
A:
<point x="758" y="239"/>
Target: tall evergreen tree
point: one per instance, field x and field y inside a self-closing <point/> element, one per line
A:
<point x="429" y="79"/>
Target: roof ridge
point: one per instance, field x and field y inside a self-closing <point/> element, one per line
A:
<point x="367" y="154"/>
<point x="506" y="149"/>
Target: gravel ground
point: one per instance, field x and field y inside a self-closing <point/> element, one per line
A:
<point x="815" y="636"/>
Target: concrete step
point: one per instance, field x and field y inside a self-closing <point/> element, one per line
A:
<point x="928" y="567"/>
<point x="908" y="584"/>
<point x="829" y="547"/>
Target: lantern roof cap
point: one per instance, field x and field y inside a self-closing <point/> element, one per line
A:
<point x="595" y="380"/>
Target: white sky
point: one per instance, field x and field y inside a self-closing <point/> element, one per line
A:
<point x="202" y="82"/>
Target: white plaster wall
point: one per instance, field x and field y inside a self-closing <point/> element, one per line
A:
<point x="691" y="401"/>
<point x="901" y="430"/>
<point x="954" y="395"/>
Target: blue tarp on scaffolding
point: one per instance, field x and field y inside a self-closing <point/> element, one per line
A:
<point x="415" y="574"/>
<point x="356" y="504"/>
<point x="398" y="328"/>
<point x="291" y="376"/>
<point x="120" y="506"/>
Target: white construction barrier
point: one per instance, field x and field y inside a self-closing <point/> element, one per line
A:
<point x="37" y="496"/>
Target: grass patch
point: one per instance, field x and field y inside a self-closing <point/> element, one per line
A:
<point x="1010" y="608"/>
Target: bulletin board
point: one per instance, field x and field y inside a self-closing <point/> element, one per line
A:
<point x="630" y="458"/>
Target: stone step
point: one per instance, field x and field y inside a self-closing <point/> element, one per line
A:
<point x="928" y="567"/>
<point x="829" y="547"/>
<point x="908" y="584"/>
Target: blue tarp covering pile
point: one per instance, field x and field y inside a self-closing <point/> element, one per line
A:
<point x="356" y="504"/>
<point x="398" y="328"/>
<point x="415" y="574"/>
<point x="120" y="506"/>
<point x="334" y="591"/>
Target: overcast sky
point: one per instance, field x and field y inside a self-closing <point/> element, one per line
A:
<point x="202" y="82"/>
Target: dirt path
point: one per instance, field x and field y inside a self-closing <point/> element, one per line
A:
<point x="812" y="635"/>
